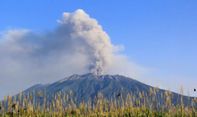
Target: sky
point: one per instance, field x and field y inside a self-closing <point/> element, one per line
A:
<point x="159" y="36"/>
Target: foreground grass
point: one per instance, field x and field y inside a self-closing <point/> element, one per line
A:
<point x="130" y="106"/>
<point x="101" y="112"/>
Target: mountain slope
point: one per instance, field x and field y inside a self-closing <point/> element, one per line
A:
<point x="87" y="87"/>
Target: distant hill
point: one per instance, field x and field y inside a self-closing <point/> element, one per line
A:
<point x="83" y="88"/>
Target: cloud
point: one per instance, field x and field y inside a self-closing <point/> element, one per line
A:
<point x="77" y="45"/>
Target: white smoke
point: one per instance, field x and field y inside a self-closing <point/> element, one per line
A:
<point x="88" y="38"/>
<point x="78" y="45"/>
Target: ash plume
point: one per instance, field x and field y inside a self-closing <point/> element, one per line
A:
<point x="77" y="45"/>
<point x="94" y="42"/>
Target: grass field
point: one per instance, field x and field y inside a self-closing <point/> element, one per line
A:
<point x="100" y="107"/>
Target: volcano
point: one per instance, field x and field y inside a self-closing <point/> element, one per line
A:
<point x="82" y="88"/>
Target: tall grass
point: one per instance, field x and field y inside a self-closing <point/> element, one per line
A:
<point x="65" y="105"/>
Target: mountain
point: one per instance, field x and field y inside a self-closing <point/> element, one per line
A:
<point x="83" y="88"/>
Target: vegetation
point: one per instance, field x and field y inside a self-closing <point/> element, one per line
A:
<point x="129" y="106"/>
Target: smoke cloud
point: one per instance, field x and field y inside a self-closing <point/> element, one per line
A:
<point x="77" y="45"/>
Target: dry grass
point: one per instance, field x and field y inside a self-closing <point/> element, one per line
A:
<point x="129" y="106"/>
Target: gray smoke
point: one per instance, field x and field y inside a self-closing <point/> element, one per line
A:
<point x="77" y="45"/>
<point x="94" y="42"/>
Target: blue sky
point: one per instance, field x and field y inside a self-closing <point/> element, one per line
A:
<point x="159" y="35"/>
